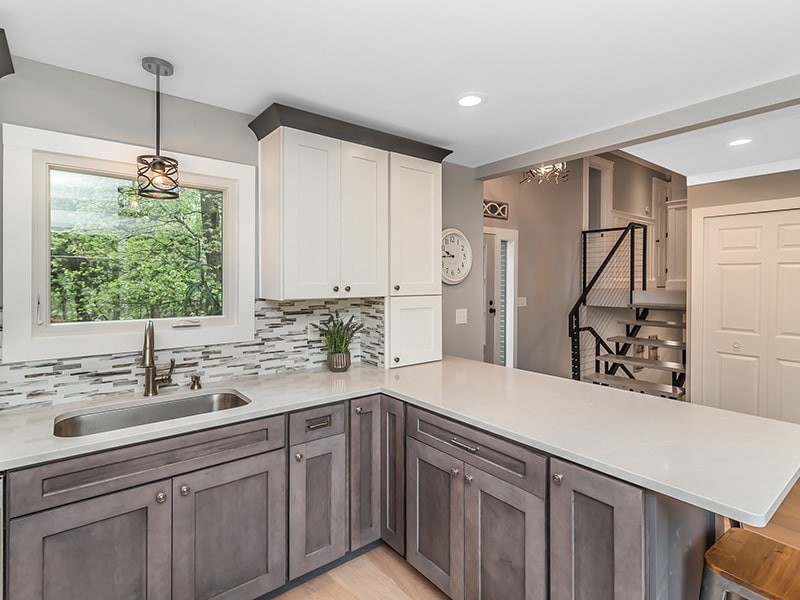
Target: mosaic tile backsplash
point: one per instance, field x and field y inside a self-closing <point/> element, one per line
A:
<point x="284" y="341"/>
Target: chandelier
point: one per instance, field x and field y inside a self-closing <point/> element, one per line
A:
<point x="557" y="172"/>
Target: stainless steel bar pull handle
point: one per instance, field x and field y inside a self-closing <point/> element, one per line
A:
<point x="326" y="422"/>
<point x="464" y="446"/>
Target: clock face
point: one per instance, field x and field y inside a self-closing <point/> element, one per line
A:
<point x="456" y="256"/>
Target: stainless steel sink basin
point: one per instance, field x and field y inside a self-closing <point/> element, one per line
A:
<point x="110" y="419"/>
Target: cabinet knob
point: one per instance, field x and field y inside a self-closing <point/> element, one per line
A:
<point x="359" y="410"/>
<point x="161" y="497"/>
<point x="347" y="288"/>
<point x="298" y="457"/>
<point x="336" y="288"/>
<point x="396" y="359"/>
<point x="468" y="478"/>
<point x="185" y="489"/>
<point x="455" y="472"/>
<point x="397" y="288"/>
<point x="558" y="478"/>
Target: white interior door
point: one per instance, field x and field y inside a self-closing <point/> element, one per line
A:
<point x="659" y="231"/>
<point x="500" y="294"/>
<point x="750" y="320"/>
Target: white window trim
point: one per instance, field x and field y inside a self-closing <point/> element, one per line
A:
<point x="24" y="340"/>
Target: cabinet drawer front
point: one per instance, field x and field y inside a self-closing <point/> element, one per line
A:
<point x="316" y="423"/>
<point x="506" y="460"/>
<point x="70" y="480"/>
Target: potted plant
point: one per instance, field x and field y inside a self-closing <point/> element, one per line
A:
<point x="338" y="333"/>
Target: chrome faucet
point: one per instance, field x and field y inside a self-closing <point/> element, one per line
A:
<point x="152" y="378"/>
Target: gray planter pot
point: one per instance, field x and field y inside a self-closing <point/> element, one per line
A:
<point x="339" y="361"/>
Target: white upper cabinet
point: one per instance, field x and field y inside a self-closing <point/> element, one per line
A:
<point x="323" y="212"/>
<point x="415" y="226"/>
<point x="365" y="221"/>
<point x="415" y="330"/>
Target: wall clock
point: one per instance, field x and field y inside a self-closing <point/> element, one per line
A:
<point x="456" y="256"/>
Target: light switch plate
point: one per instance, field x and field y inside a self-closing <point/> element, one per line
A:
<point x="522" y="301"/>
<point x="461" y="316"/>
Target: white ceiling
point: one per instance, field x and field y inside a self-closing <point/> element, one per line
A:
<point x="551" y="71"/>
<point x="705" y="155"/>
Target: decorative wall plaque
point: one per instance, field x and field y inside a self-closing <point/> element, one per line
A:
<point x="495" y="210"/>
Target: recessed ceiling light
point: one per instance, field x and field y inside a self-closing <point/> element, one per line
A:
<point x="740" y="142"/>
<point x="471" y="100"/>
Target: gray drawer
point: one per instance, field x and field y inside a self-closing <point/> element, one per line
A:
<point x="507" y="460"/>
<point x="316" y="423"/>
<point x="47" y="486"/>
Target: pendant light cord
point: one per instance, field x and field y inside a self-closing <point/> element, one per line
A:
<point x="158" y="114"/>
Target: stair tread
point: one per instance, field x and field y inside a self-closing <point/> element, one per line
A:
<point x="665" y="365"/>
<point x="658" y="306"/>
<point x="636" y="385"/>
<point x="622" y="339"/>
<point x="667" y="324"/>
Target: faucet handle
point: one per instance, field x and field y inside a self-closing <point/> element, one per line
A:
<point x="167" y="377"/>
<point x="195" y="385"/>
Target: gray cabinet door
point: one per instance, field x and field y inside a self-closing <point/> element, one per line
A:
<point x="229" y="530"/>
<point x="115" y="546"/>
<point x="596" y="536"/>
<point x="365" y="474"/>
<point x="505" y="542"/>
<point x="393" y="474"/>
<point x="317" y="504"/>
<point x="435" y="517"/>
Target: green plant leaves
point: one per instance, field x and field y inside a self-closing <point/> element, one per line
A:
<point x="338" y="332"/>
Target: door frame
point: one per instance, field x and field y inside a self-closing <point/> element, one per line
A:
<point x="509" y="235"/>
<point x="606" y="168"/>
<point x="694" y="313"/>
<point x="659" y="226"/>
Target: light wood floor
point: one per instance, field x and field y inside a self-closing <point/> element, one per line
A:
<point x="379" y="574"/>
<point x="785" y="525"/>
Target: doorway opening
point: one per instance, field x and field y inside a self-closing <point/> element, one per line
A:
<point x="500" y="276"/>
<point x="598" y="192"/>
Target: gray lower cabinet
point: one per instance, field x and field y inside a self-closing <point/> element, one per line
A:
<point x="365" y="471"/>
<point x="113" y="546"/>
<point x="229" y="530"/>
<point x="393" y="474"/>
<point x="435" y="516"/>
<point x="472" y="534"/>
<point x="597" y="536"/>
<point x="317" y="503"/>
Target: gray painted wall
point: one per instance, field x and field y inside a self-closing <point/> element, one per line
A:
<point x="549" y="219"/>
<point x="747" y="189"/>
<point x="462" y="208"/>
<point x="633" y="186"/>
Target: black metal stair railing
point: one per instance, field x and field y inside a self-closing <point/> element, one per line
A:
<point x="625" y="260"/>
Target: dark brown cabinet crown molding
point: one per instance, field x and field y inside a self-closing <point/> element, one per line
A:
<point x="279" y="115"/>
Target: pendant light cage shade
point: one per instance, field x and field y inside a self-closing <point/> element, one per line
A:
<point x="6" y="64"/>
<point x="157" y="177"/>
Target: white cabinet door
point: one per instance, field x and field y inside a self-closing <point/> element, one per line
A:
<point x="415" y="219"/>
<point x="364" y="221"/>
<point x="311" y="215"/>
<point x="415" y="330"/>
<point x="677" y="245"/>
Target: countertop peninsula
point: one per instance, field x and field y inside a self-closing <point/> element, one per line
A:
<point x="725" y="462"/>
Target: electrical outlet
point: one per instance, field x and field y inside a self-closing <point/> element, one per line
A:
<point x="461" y="316"/>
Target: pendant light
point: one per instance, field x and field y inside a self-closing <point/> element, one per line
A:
<point x="157" y="176"/>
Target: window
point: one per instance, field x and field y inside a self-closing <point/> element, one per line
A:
<point x="98" y="260"/>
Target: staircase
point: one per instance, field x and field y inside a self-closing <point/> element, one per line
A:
<point x="622" y="334"/>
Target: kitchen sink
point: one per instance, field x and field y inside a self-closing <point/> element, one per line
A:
<point x="110" y="419"/>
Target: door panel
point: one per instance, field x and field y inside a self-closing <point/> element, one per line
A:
<point x="505" y="542"/>
<point x="113" y="546"/>
<point x="317" y="504"/>
<point x="597" y="541"/>
<point x="751" y="327"/>
<point x="230" y="529"/>
<point x="415" y="330"/>
<point x="393" y="474"/>
<point x="365" y="471"/>
<point x="435" y="517"/>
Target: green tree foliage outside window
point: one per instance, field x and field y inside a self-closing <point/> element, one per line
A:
<point x="115" y="256"/>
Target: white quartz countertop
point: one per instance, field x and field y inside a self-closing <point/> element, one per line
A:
<point x="728" y="463"/>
